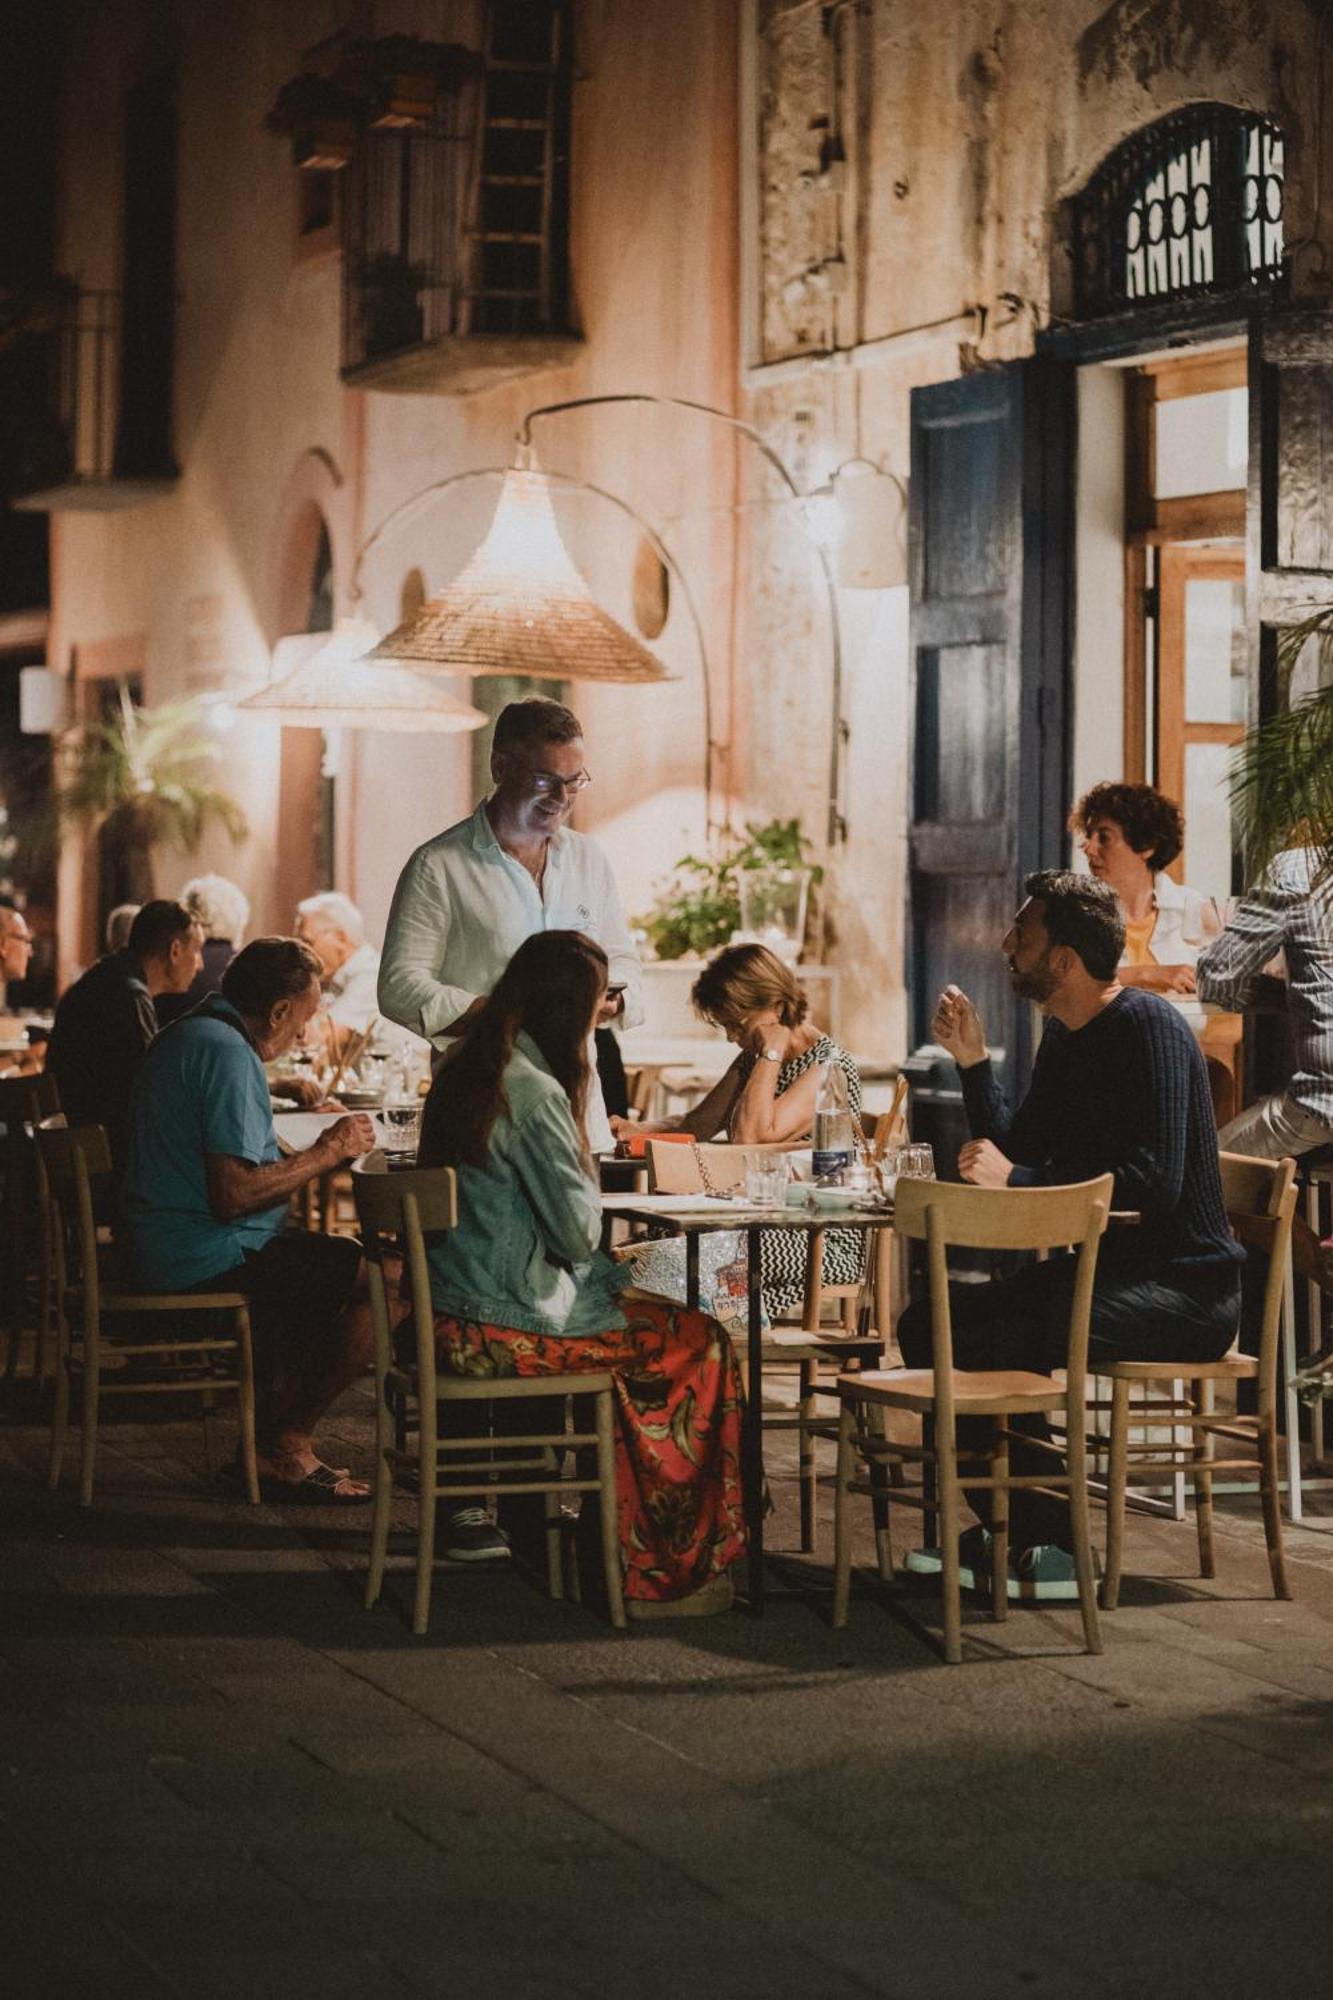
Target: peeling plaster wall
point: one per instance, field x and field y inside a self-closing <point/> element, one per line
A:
<point x="965" y="124"/>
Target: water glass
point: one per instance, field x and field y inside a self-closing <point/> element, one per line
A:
<point x="766" y="1182"/>
<point x="916" y="1163"/>
<point x="399" y="1121"/>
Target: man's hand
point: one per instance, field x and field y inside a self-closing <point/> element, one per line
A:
<point x="301" y="1090"/>
<point x="984" y="1165"/>
<point x="348" y="1139"/>
<point x="957" y="1028"/>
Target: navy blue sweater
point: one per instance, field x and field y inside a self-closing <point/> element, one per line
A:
<point x="1128" y="1095"/>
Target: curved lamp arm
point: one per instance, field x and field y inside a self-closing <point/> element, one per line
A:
<point x="837" y="824"/>
<point x="395" y="517"/>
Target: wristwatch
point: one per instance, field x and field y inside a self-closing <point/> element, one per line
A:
<point x="772" y="1055"/>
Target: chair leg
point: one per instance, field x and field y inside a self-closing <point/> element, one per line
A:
<point x="946" y="1460"/>
<point x="60" y="1414"/>
<point x="1272" y="1504"/>
<point x="1117" y="1478"/>
<point x="1201" y="1401"/>
<point x="427" y="1464"/>
<point x="999" y="1576"/>
<point x="1080" y="1522"/>
<point x="604" y="1425"/>
<point x="555" y="1566"/>
<point x="842" y="1528"/>
<point x="805" y="1411"/>
<point x="381" y="1505"/>
<point x="92" y="1387"/>
<point x="876" y="1421"/>
<point x="246" y="1399"/>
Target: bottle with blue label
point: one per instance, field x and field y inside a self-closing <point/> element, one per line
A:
<point x="834" y="1145"/>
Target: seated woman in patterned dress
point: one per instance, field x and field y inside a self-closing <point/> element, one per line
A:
<point x="766" y="1098"/>
<point x="521" y="1287"/>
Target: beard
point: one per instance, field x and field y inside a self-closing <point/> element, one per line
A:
<point x="1037" y="983"/>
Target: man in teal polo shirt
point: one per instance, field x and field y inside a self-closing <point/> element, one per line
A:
<point x="206" y="1197"/>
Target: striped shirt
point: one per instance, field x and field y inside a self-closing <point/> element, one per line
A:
<point x="1282" y="913"/>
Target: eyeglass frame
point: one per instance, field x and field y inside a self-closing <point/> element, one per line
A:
<point x="548" y="783"/>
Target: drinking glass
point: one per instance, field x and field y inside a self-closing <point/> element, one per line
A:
<point x="399" y="1120"/>
<point x="766" y="1182"/>
<point x="916" y="1163"/>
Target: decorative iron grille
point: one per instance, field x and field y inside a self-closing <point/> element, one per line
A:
<point x="1189" y="207"/>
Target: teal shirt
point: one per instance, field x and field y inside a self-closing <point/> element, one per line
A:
<point x="201" y="1089"/>
<point x="525" y="1253"/>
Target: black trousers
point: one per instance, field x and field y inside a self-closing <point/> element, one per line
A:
<point x="1023" y="1322"/>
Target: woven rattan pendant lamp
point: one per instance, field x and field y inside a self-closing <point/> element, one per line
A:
<point x="339" y="688"/>
<point x="521" y="607"/>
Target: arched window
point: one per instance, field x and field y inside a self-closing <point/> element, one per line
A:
<point x="1186" y="208"/>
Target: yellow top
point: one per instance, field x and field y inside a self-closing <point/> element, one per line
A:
<point x="1138" y="941"/>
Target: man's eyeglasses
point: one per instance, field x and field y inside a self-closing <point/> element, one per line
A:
<point x="549" y="784"/>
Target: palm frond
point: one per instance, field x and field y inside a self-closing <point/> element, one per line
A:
<point x="1282" y="778"/>
<point x="145" y="775"/>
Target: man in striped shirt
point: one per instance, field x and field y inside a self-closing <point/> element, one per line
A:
<point x="1287" y="911"/>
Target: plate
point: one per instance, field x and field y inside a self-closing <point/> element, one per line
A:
<point x="361" y="1100"/>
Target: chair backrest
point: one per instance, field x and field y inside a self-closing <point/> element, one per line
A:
<point x="27" y="1099"/>
<point x="941" y="1215"/>
<point x="677" y="1169"/>
<point x="397" y="1208"/>
<point x="1260" y="1197"/>
<point x="72" y="1158"/>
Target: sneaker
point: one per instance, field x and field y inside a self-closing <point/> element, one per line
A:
<point x="973" y="1556"/>
<point x="472" y="1537"/>
<point x="1045" y="1575"/>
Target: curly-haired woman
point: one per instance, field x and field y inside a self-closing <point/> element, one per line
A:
<point x="1131" y="834"/>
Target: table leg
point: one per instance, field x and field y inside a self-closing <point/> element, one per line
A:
<point x="752" y="1434"/>
<point x="692" y="1269"/>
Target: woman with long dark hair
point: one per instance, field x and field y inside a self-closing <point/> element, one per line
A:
<point x="521" y="1287"/>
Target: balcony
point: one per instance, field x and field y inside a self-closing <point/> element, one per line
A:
<point x="456" y="234"/>
<point x="86" y="422"/>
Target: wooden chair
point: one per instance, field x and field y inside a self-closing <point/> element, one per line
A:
<point x="977" y="1219"/>
<point x="74" y="1159"/>
<point x="1260" y="1198"/>
<point x="25" y="1099"/>
<point x="398" y="1208"/>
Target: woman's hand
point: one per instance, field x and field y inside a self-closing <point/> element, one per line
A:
<point x="769" y="1033"/>
<point x="1159" y="978"/>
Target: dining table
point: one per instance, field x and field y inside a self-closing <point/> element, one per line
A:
<point x="696" y="1215"/>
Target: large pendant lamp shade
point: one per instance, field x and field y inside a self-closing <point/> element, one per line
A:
<point x="521" y="607"/>
<point x="337" y="687"/>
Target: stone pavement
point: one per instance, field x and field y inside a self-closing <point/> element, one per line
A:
<point x="220" y="1776"/>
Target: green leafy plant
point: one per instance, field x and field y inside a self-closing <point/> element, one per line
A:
<point x="699" y="906"/>
<point x="140" y="779"/>
<point x="1282" y="780"/>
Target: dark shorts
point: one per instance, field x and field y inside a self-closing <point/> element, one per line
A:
<point x="297" y="1285"/>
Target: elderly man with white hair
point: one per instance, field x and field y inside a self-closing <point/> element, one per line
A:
<point x="222" y="911"/>
<point x="335" y="931"/>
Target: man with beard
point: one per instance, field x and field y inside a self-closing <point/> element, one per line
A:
<point x="1119" y="1087"/>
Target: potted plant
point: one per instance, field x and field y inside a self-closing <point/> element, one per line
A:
<point x="699" y="907"/>
<point x="140" y="779"/>
<point x="1282" y="781"/>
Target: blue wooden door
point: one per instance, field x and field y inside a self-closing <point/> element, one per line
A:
<point x="990" y="523"/>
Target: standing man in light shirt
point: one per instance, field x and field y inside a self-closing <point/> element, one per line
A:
<point x="467" y="899"/>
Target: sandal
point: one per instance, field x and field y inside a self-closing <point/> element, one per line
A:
<point x="319" y="1488"/>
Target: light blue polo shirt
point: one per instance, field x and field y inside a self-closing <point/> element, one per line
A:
<point x="201" y="1089"/>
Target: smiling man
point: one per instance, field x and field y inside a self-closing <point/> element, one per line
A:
<point x="467" y="899"/>
<point x="1118" y="1087"/>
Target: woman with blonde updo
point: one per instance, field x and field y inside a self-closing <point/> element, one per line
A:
<point x="767" y="1097"/>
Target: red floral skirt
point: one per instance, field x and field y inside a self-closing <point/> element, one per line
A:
<point x="678" y="1400"/>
